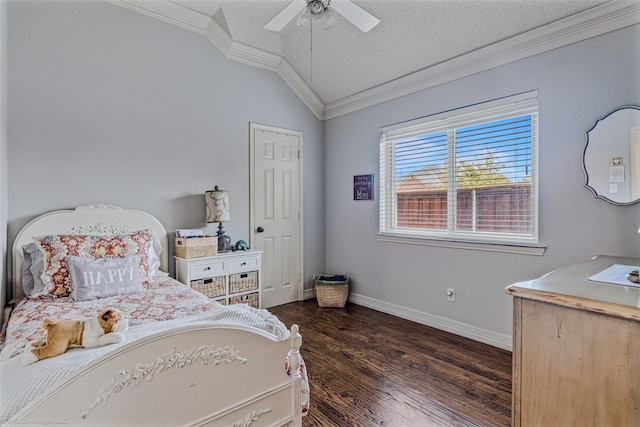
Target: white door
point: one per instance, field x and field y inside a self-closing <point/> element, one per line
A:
<point x="275" y="212"/>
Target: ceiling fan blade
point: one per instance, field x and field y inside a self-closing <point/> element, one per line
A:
<point x="285" y="16"/>
<point x="355" y="14"/>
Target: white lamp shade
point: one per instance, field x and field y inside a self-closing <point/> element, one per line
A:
<point x="217" y="202"/>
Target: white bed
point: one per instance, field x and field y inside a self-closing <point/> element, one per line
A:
<point x="206" y="365"/>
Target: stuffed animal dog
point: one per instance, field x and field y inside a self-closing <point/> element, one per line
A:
<point x="107" y="328"/>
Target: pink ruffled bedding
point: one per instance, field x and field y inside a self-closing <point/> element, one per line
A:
<point x="164" y="300"/>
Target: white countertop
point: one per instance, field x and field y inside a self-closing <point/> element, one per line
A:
<point x="569" y="286"/>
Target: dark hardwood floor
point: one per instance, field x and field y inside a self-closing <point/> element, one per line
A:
<point x="368" y="368"/>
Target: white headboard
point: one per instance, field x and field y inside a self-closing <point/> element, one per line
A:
<point x="92" y="219"/>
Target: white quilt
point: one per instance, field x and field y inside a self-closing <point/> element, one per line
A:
<point x="43" y="374"/>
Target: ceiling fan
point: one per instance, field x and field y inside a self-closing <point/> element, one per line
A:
<point x="317" y="8"/>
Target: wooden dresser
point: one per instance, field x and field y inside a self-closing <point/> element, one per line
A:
<point x="576" y="349"/>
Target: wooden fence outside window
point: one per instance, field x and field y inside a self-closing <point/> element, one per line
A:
<point x="504" y="208"/>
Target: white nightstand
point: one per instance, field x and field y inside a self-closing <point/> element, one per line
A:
<point x="229" y="278"/>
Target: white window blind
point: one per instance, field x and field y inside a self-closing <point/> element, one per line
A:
<point x="468" y="174"/>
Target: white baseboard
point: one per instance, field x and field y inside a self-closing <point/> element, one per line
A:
<point x="309" y="294"/>
<point x="502" y="341"/>
<point x="458" y="328"/>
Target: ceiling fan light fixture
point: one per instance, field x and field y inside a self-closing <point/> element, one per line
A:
<point x="317" y="8"/>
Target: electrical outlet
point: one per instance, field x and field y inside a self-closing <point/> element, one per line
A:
<point x="451" y="295"/>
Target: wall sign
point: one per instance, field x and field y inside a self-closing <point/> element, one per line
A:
<point x="363" y="187"/>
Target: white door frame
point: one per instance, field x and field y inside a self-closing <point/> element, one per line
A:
<point x="252" y="222"/>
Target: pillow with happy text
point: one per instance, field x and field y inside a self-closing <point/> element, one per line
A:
<point x="94" y="278"/>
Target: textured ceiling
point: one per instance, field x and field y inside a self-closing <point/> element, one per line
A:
<point x="417" y="45"/>
<point x="341" y="61"/>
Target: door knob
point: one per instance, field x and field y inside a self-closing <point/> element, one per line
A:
<point x="260" y="229"/>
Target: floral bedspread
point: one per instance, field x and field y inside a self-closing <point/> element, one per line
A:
<point x="161" y="300"/>
<point x="164" y="303"/>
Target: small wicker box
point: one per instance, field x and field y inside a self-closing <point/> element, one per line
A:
<point x="331" y="293"/>
<point x="196" y="247"/>
<point x="242" y="282"/>
<point x="210" y="287"/>
<point x="252" y="299"/>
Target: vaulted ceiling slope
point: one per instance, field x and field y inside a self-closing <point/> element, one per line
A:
<point x="336" y="69"/>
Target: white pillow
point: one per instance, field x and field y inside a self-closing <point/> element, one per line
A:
<point x="32" y="269"/>
<point x="154" y="258"/>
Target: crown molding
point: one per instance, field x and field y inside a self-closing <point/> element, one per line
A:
<point x="233" y="50"/>
<point x="300" y="87"/>
<point x="218" y="37"/>
<point x="599" y="20"/>
<point x="256" y="57"/>
<point x="168" y="12"/>
<point x="593" y="22"/>
<point x="240" y="52"/>
<point x="246" y="54"/>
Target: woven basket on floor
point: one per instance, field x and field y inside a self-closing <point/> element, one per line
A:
<point x="331" y="293"/>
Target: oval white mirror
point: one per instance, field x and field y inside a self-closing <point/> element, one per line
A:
<point x="611" y="157"/>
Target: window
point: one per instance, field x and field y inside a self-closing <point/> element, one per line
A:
<point x="489" y="150"/>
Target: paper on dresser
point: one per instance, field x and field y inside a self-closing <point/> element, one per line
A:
<point x="616" y="275"/>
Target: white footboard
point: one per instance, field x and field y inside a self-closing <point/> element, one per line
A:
<point x="203" y="374"/>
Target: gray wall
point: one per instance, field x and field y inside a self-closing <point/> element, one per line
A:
<point x="577" y="84"/>
<point x="3" y="147"/>
<point x="110" y="106"/>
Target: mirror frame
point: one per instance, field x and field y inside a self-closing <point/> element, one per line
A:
<point x="584" y="152"/>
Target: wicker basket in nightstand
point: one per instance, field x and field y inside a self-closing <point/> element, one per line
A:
<point x="242" y="282"/>
<point x="251" y="299"/>
<point x="212" y="287"/>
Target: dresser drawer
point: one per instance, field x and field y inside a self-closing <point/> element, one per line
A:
<point x="252" y="299"/>
<point x="244" y="264"/>
<point x="201" y="270"/>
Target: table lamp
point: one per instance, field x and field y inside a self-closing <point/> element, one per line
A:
<point x="217" y="202"/>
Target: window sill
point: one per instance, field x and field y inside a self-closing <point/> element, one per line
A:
<point x="490" y="247"/>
